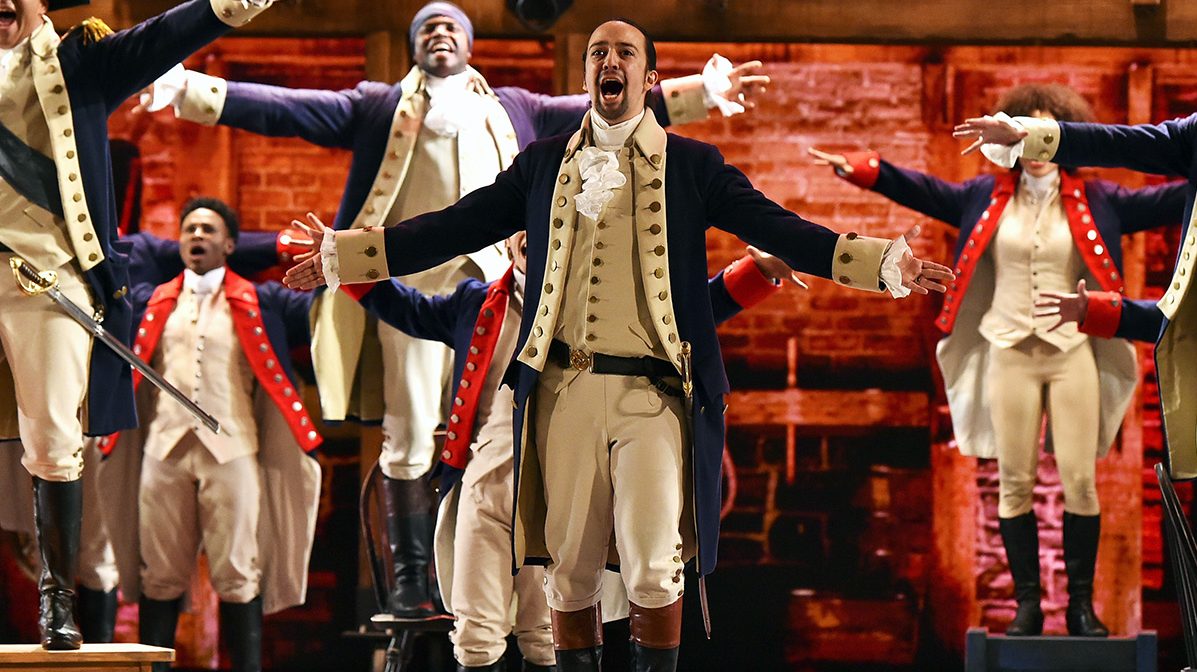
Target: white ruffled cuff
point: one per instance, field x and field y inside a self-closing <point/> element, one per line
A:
<point x="716" y="82"/>
<point x="891" y="274"/>
<point x="168" y="90"/>
<point x="1006" y="156"/>
<point x="329" y="262"/>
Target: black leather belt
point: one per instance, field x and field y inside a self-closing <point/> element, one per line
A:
<point x="652" y="368"/>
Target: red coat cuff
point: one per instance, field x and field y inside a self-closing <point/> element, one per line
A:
<point x="291" y="242"/>
<point x="358" y="290"/>
<point x="1103" y="314"/>
<point x="745" y="283"/>
<point x="865" y="168"/>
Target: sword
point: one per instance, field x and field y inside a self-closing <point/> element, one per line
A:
<point x="33" y="282"/>
<point x="688" y="393"/>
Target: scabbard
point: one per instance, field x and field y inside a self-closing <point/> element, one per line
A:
<point x="688" y="423"/>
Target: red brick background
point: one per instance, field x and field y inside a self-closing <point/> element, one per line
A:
<point x="825" y="506"/>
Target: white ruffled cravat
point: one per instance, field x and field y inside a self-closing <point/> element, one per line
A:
<point x="600" y="178"/>
<point x="452" y="106"/>
<point x="203" y="284"/>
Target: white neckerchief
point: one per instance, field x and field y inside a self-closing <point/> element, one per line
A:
<point x="1041" y="188"/>
<point x="205" y="284"/>
<point x="612" y="136"/>
<point x="452" y="106"/>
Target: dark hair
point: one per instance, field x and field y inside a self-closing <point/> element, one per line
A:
<point x="215" y="205"/>
<point x="650" y="47"/>
<point x="1062" y="102"/>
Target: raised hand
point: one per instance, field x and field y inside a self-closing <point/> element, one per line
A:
<point x="988" y="130"/>
<point x="838" y="162"/>
<point x="1069" y="307"/>
<point x="922" y="277"/>
<point x="308" y="272"/>
<point x="775" y="269"/>
<point x="746" y="84"/>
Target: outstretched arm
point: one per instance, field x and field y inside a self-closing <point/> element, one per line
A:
<point x="1103" y="314"/>
<point x="1163" y="149"/>
<point x="920" y="192"/>
<point x="126" y="62"/>
<point x="409" y="310"/>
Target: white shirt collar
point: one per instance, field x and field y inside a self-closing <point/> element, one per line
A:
<point x="446" y="87"/>
<point x="207" y="283"/>
<point x="612" y="136"/>
<point x="10" y="57"/>
<point x="1040" y="188"/>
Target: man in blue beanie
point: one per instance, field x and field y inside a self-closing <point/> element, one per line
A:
<point x="418" y="146"/>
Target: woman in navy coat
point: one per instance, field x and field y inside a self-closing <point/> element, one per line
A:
<point x="1037" y="228"/>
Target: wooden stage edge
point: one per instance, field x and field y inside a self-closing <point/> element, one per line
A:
<point x="105" y="657"/>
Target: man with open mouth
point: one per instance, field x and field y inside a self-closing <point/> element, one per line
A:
<point x="58" y="214"/>
<point x="418" y="146"/>
<point x="616" y="217"/>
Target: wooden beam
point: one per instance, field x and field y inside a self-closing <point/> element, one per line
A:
<point x="929" y="21"/>
<point x="829" y="409"/>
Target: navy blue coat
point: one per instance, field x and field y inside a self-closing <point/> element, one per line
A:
<point x="701" y="191"/>
<point x="154" y="260"/>
<point x="99" y="77"/>
<point x="450" y="319"/>
<point x="359" y="119"/>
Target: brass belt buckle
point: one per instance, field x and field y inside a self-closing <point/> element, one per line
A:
<point x="580" y="360"/>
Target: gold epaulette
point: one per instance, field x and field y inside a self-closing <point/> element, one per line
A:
<point x="91" y="30"/>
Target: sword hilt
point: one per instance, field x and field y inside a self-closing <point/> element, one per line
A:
<point x="687" y="370"/>
<point x="31" y="281"/>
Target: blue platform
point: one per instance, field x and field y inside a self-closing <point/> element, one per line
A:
<point x="998" y="653"/>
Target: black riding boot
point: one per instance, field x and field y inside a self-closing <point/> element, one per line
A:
<point x="1081" y="534"/>
<point x="58" y="512"/>
<point x="156" y="624"/>
<point x="241" y="629"/>
<point x="656" y="636"/>
<point x="411" y="520"/>
<point x="578" y="639"/>
<point x="97" y="614"/>
<point x="1020" y="535"/>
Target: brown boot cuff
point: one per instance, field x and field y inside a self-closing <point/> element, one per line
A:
<point x="659" y="628"/>
<point x="581" y="629"/>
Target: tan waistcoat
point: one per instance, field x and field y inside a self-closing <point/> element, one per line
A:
<point x="29" y="230"/>
<point x="1033" y="252"/>
<point x="201" y="355"/>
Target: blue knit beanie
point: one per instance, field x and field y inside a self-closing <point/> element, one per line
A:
<point x="439" y="9"/>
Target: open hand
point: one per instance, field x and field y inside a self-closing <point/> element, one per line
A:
<point x="838" y="162"/>
<point x="922" y="277"/>
<point x="308" y="272"/>
<point x="1069" y="307"/>
<point x="774" y="268"/>
<point x="988" y="130"/>
<point x="746" y="84"/>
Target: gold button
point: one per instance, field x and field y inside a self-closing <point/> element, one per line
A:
<point x="655" y="184"/>
<point x="594" y="280"/>
<point x="372" y="274"/>
<point x="83" y="217"/>
<point x="558" y="223"/>
<point x="371" y="251"/>
<point x="564" y="179"/>
<point x="597" y="262"/>
<point x="845" y="280"/>
<point x="655" y="229"/>
<point x="548" y="288"/>
<point x="659" y="273"/>
<point x="851" y="236"/>
<point x="544" y="310"/>
<point x="369" y="209"/>
<point x="663" y="295"/>
<point x="378" y="192"/>
<point x="675" y="93"/>
<point x="77" y="197"/>
<point x="602" y="224"/>
<point x="591" y="337"/>
<point x="1045" y="155"/>
<point x="655" y="158"/>
<point x="845" y="258"/>
<point x="70" y="154"/>
<point x="87" y="236"/>
<point x="593" y="299"/>
<point x="556" y="244"/>
<point x="532" y="351"/>
<point x="672" y="338"/>
<point x="561" y="201"/>
<point x="592" y="318"/>
<point x="209" y="109"/>
<point x="659" y="250"/>
<point x="93" y="256"/>
<point x="228" y="13"/>
<point x="394" y="156"/>
<point x="72" y="177"/>
<point x="1049" y="139"/>
<point x="655" y="206"/>
<point x="62" y="109"/>
<point x="667" y="319"/>
<point x="57" y="88"/>
<point x="538" y="331"/>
